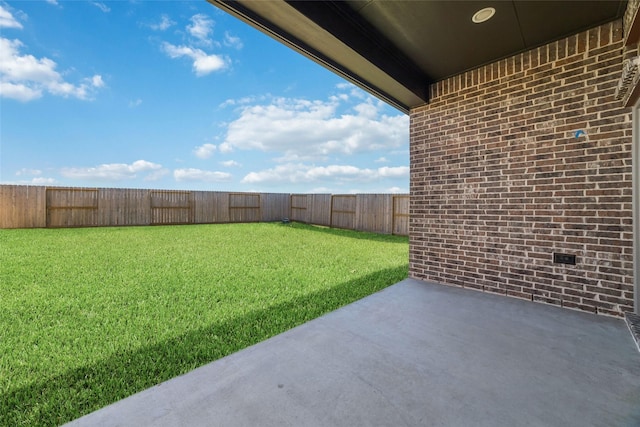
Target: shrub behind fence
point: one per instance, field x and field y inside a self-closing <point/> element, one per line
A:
<point x="56" y="207"/>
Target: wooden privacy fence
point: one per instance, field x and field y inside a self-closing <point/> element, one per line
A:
<point x="378" y="213"/>
<point x="52" y="207"/>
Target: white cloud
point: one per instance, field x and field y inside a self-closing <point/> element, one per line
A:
<point x="25" y="171"/>
<point x="17" y="67"/>
<point x="395" y="190"/>
<point x="300" y="173"/>
<point x="66" y="89"/>
<point x="201" y="28"/>
<point x="205" y="151"/>
<point x="225" y="147"/>
<point x="135" y="103"/>
<point x="112" y="171"/>
<point x="7" y="20"/>
<point x="230" y="164"/>
<point x="403" y="152"/>
<point x="354" y="90"/>
<point x="339" y="97"/>
<point x="242" y="101"/>
<point x="202" y="62"/>
<point x="321" y="190"/>
<point x="302" y="129"/>
<point x="381" y="160"/>
<point x="164" y="24"/>
<point x="96" y="81"/>
<point x="38" y="180"/>
<point x="367" y="110"/>
<point x="232" y="41"/>
<point x="156" y="174"/>
<point x="191" y="174"/>
<point x="42" y="181"/>
<point x="53" y="2"/>
<point x="25" y="77"/>
<point x="394" y="172"/>
<point x="227" y="103"/>
<point x="103" y="7"/>
<point x="19" y="92"/>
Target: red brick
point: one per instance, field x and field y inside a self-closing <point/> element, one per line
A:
<point x="499" y="182"/>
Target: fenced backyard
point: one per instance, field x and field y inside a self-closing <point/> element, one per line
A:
<point x="92" y="315"/>
<point x="62" y="207"/>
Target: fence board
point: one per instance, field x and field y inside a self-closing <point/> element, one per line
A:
<point x="211" y="207"/>
<point x="23" y="206"/>
<point x="299" y="208"/>
<point x="400" y="215"/>
<point x="343" y="211"/>
<point x="320" y="209"/>
<point x="244" y="207"/>
<point x="274" y="206"/>
<point x="72" y="207"/>
<point x="171" y="207"/>
<point x="124" y="206"/>
<point x="373" y="213"/>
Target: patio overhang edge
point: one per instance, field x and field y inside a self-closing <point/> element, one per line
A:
<point x="280" y="21"/>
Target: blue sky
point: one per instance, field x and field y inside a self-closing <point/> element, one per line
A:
<point x="180" y="95"/>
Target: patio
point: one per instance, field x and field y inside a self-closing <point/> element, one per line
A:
<point x="413" y="354"/>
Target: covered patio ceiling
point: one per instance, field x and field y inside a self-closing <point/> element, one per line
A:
<point x="396" y="49"/>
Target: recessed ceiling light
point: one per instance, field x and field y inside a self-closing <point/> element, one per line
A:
<point x="483" y="15"/>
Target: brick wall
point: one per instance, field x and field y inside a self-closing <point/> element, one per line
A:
<point x="501" y="178"/>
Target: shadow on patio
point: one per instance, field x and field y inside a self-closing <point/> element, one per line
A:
<point x="412" y="354"/>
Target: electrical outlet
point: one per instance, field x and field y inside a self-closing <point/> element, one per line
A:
<point x="564" y="259"/>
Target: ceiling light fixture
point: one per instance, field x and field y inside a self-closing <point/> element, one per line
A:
<point x="483" y="15"/>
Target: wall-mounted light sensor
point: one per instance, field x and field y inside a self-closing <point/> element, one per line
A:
<point x="483" y="15"/>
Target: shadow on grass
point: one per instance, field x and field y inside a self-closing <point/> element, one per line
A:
<point x="62" y="398"/>
<point x="364" y="235"/>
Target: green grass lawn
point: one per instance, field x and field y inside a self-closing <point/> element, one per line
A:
<point x="89" y="316"/>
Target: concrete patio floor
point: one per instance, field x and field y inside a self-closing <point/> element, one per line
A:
<point x="414" y="354"/>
